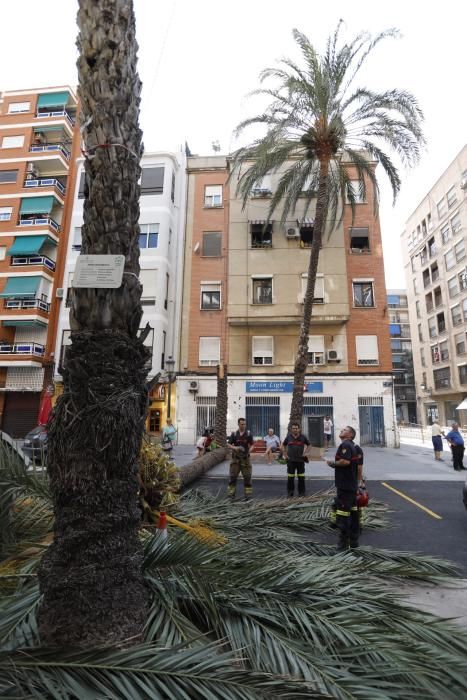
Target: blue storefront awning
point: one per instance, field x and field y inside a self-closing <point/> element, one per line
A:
<point x="53" y="99"/>
<point x="28" y="245"/>
<point x="21" y="287"/>
<point x="36" y="205"/>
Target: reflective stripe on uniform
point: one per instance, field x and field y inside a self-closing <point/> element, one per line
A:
<point x="354" y="508"/>
<point x="345" y="513"/>
<point x="248" y="489"/>
<point x="301" y="476"/>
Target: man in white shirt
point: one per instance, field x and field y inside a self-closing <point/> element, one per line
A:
<point x="272" y="444"/>
<point x="327" y="430"/>
<point x="437" y="440"/>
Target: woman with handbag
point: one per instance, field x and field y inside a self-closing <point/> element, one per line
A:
<point x="168" y="436"/>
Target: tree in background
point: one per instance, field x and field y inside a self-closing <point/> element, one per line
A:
<point x="322" y="133"/>
<point x="91" y="576"/>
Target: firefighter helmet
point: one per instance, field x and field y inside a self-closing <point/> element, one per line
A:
<point x="362" y="497"/>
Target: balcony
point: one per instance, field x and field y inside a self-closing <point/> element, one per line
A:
<point x="23" y="348"/>
<point x="45" y="182"/>
<point x="26" y="304"/>
<point x="443" y="383"/>
<point x="55" y="114"/>
<point x="18" y="260"/>
<point x="41" y="148"/>
<point x="39" y="221"/>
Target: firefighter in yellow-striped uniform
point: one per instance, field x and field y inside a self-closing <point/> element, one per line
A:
<point x="345" y="467"/>
<point x="241" y="445"/>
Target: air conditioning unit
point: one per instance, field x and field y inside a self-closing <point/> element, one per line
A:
<point x="333" y="356"/>
<point x="59" y="292"/>
<point x="464" y="183"/>
<point x="292" y="232"/>
<point x="194" y="385"/>
<point x="30" y="168"/>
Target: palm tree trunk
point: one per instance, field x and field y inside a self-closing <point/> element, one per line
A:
<point x="91" y="576"/>
<point x="220" y="428"/>
<point x="301" y="361"/>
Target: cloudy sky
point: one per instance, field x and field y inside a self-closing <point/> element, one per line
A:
<point x="200" y="58"/>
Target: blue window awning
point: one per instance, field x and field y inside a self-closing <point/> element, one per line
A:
<point x="21" y="287"/>
<point x="14" y="322"/>
<point x="28" y="245"/>
<point x="394" y="329"/>
<point x="43" y="129"/>
<point x="53" y="99"/>
<point x="36" y="205"/>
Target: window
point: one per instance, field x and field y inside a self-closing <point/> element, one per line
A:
<point x="464" y="309"/>
<point x="432" y="250"/>
<point x="77" y="239"/>
<point x="422" y="357"/>
<point x="420" y="334"/>
<point x="2" y="252"/>
<point x="363" y="294"/>
<point x="81" y="186"/>
<point x="462" y="374"/>
<point x="263" y="187"/>
<point x="261" y="234"/>
<point x="212" y="244"/>
<point x="148" y="235"/>
<point x="438" y="297"/>
<point x="318" y="294"/>
<point x="262" y="290"/>
<point x="451" y="197"/>
<point x="262" y="350"/>
<point x="367" y="349"/>
<point x="316" y="349"/>
<point x="423" y="256"/>
<point x="306" y="227"/>
<point x="440" y="322"/>
<point x="417" y="309"/>
<point x="413" y="263"/>
<point x="449" y="259"/>
<point x="415" y="285"/>
<point x="456" y="315"/>
<point x="148" y="279"/>
<point x="442" y="377"/>
<point x="444" y="351"/>
<point x="13" y="141"/>
<point x="459" y="341"/>
<point x="8" y="176"/>
<point x="456" y="223"/>
<point x="5" y="213"/>
<point x="210" y="296"/>
<point x="167" y="283"/>
<point x="459" y="251"/>
<point x="462" y="279"/>
<point x="441" y="208"/>
<point x="172" y="188"/>
<point x="445" y="233"/>
<point x="209" y="351"/>
<point x="152" y="180"/>
<point x="453" y="288"/>
<point x="213" y="196"/>
<point x="429" y="302"/>
<point x="432" y="332"/>
<point x="18" y="107"/>
<point x="426" y="277"/>
<point x="356" y="190"/>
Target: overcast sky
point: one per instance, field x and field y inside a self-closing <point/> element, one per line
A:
<point x="200" y="58"/>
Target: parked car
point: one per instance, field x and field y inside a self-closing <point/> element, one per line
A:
<point x="35" y="444"/>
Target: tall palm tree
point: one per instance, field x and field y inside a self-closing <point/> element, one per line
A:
<point x="321" y="133"/>
<point x="91" y="576"/>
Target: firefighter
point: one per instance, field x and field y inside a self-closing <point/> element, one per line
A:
<point x="345" y="467"/>
<point x="295" y="447"/>
<point x="241" y="444"/>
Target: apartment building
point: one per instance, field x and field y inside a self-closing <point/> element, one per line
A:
<point x="263" y="271"/>
<point x="402" y="359"/>
<point x="39" y="143"/>
<point x="434" y="252"/>
<point x="162" y="211"/>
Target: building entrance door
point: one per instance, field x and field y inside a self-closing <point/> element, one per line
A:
<point x="154" y="420"/>
<point x="371" y="417"/>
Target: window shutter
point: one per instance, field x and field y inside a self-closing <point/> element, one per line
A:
<point x="316" y="343"/>
<point x="209" y="349"/>
<point x="367" y="347"/>
<point x="212" y="244"/>
<point x="262" y="345"/>
<point x="148" y="279"/>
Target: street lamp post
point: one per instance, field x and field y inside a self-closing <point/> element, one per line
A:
<point x="171" y="376"/>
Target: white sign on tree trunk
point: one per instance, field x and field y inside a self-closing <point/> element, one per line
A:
<point x="100" y="271"/>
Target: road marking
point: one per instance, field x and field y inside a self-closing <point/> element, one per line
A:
<point x="415" y="503"/>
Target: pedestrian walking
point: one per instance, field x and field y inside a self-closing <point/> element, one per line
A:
<point x="295" y="448"/>
<point x="345" y="465"/>
<point x="437" y="440"/>
<point x="328" y="426"/>
<point x="241" y="445"/>
<point x="272" y="444"/>
<point x="169" y="434"/>
<point x="456" y="441"/>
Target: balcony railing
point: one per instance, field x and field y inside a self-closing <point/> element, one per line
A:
<point x="24" y="348"/>
<point x="45" y="182"/>
<point x="59" y="113"/>
<point x="33" y="260"/>
<point x="26" y="304"/>
<point x="40" y="148"/>
<point x="442" y="383"/>
<point x="40" y="221"/>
